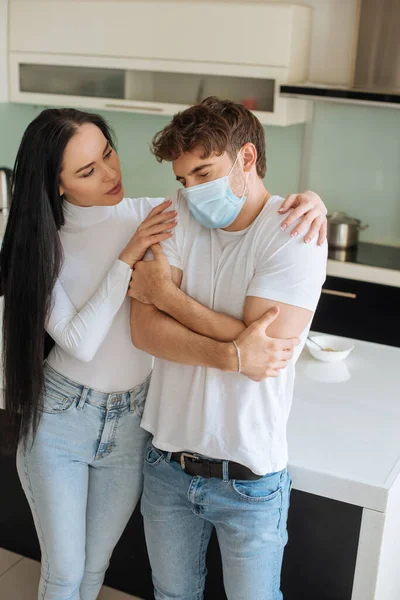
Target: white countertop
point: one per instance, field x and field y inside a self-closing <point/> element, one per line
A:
<point x="349" y="270"/>
<point x="344" y="428"/>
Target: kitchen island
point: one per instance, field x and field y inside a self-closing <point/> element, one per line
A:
<point x="344" y="445"/>
<point x="344" y="458"/>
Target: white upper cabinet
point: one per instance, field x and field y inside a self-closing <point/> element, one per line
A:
<point x="3" y="50"/>
<point x="158" y="57"/>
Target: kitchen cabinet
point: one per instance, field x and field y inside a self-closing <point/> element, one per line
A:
<point x="360" y="310"/>
<point x="130" y="56"/>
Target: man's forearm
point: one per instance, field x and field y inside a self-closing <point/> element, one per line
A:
<point x="160" y="335"/>
<point x="199" y="318"/>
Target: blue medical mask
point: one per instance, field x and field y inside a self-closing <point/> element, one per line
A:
<point x="213" y="204"/>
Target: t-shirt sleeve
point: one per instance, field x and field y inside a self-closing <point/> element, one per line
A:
<point x="81" y="332"/>
<point x="290" y="271"/>
<point x="171" y="245"/>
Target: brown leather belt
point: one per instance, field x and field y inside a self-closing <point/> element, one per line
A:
<point x="195" y="465"/>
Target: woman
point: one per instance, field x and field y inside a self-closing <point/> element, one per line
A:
<point x="65" y="266"/>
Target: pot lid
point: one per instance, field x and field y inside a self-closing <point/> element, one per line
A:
<point x="341" y="218"/>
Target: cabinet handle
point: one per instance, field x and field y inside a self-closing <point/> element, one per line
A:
<point x="341" y="294"/>
<point x="126" y="107"/>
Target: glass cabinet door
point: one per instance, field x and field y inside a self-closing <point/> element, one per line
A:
<point x="137" y="85"/>
<point x="72" y="81"/>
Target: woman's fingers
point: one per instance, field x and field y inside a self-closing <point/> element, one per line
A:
<point x="296" y="214"/>
<point x="306" y="222"/>
<point x="291" y="201"/>
<point x="322" y="233"/>
<point x="156" y="229"/>
<point x="314" y="229"/>
<point x="159" y="208"/>
<point x="162" y="218"/>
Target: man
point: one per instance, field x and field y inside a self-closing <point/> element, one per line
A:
<point x="219" y="452"/>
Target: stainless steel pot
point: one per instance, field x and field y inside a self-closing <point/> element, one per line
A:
<point x="343" y="231"/>
<point x="5" y="189"/>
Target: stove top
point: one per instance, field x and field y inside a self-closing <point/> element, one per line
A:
<point x="373" y="255"/>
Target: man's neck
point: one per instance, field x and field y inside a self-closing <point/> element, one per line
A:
<point x="254" y="204"/>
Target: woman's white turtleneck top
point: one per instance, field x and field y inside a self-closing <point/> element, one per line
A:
<point x="90" y="313"/>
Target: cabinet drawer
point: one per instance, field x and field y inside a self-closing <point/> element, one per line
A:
<point x="360" y="310"/>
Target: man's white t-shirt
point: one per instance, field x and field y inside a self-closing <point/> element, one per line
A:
<point x="226" y="415"/>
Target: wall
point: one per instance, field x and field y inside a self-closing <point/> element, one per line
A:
<point x="3" y="50"/>
<point x="142" y="174"/>
<point x="355" y="165"/>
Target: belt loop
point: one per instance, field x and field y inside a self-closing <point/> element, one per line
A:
<point x="168" y="456"/>
<point x="225" y="470"/>
<point x="83" y="397"/>
<point x="132" y="395"/>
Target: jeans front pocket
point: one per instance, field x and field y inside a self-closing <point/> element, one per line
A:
<point x="55" y="400"/>
<point x="139" y="397"/>
<point x="265" y="489"/>
<point x="139" y="404"/>
<point x="153" y="457"/>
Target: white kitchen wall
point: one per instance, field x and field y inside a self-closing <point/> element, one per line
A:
<point x="142" y="174"/>
<point x="3" y="50"/>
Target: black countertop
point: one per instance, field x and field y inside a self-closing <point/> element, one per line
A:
<point x="373" y="255"/>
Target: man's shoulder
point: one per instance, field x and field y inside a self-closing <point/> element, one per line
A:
<point x="143" y="203"/>
<point x="267" y="227"/>
<point x="273" y="243"/>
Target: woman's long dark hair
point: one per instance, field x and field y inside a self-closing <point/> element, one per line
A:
<point x="31" y="259"/>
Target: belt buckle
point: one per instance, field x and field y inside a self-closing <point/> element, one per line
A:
<point x="186" y="455"/>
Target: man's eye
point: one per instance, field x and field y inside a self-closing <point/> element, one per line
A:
<point x="204" y="175"/>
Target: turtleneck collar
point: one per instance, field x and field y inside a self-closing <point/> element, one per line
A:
<point x="81" y="217"/>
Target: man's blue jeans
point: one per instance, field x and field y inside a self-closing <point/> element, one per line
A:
<point x="180" y="512"/>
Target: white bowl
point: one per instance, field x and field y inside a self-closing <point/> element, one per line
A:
<point x="341" y="348"/>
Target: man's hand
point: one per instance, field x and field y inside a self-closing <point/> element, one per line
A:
<point x="309" y="206"/>
<point x="150" y="279"/>
<point x="262" y="356"/>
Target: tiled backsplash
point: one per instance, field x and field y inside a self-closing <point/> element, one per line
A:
<point x="354" y="166"/>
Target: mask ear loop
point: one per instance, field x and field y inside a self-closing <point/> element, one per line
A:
<point x="247" y="177"/>
<point x="245" y="183"/>
<point x="237" y="158"/>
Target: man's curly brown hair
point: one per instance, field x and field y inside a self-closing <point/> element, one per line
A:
<point x="215" y="126"/>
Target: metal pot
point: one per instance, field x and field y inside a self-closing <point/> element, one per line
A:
<point x="5" y="189"/>
<point x="343" y="231"/>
